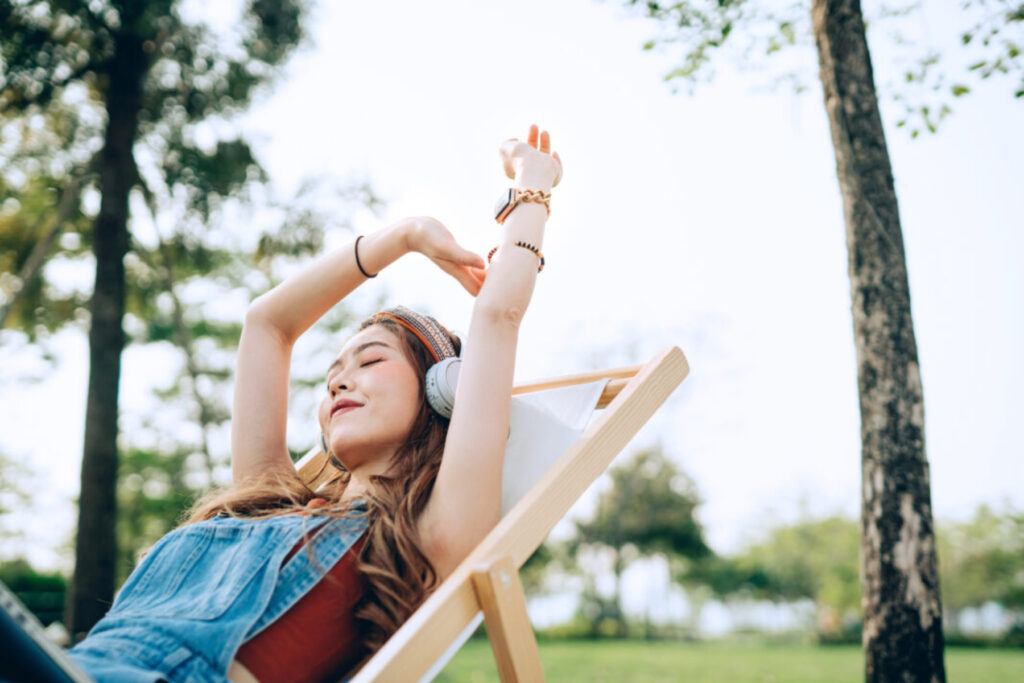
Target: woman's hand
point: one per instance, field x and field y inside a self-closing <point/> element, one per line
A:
<point x="533" y="156"/>
<point x="429" y="237"/>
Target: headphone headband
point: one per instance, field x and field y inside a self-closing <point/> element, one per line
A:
<point x="432" y="333"/>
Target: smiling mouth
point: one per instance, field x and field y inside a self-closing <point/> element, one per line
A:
<point x="346" y="409"/>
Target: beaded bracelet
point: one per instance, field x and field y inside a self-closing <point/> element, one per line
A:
<point x="525" y="245"/>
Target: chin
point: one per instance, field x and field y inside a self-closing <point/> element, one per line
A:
<point x="344" y="449"/>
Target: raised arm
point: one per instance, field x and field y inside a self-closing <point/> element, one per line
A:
<point x="276" y="319"/>
<point x="465" y="503"/>
<point x="273" y="323"/>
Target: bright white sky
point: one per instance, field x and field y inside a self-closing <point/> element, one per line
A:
<point x="710" y="221"/>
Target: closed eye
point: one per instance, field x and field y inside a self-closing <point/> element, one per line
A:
<point x="363" y="365"/>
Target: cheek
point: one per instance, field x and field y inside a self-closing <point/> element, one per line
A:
<point x="324" y="411"/>
<point x="406" y="389"/>
<point x="413" y="397"/>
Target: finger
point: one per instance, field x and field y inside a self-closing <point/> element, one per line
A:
<point x="545" y="142"/>
<point x="479" y="274"/>
<point x="559" y="160"/>
<point x="532" y="138"/>
<point x="469" y="258"/>
<point x="472" y="286"/>
<point x="475" y="280"/>
<point x="462" y="274"/>
<point x="477" y="261"/>
<point x="505" y="152"/>
<point x="451" y="250"/>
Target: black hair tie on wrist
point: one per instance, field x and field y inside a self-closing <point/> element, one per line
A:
<point x="360" y="265"/>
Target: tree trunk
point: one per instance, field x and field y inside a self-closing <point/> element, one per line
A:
<point x="92" y="587"/>
<point x="902" y="611"/>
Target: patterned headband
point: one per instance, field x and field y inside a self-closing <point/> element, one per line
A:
<point x="433" y="335"/>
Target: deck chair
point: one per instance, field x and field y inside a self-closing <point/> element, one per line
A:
<point x="485" y="586"/>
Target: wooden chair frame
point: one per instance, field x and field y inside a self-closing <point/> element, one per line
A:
<point x="488" y="579"/>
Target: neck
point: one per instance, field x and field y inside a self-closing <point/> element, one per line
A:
<point x="359" y="481"/>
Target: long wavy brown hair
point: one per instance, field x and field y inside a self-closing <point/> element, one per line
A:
<point x="398" y="575"/>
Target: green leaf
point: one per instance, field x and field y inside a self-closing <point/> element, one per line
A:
<point x="649" y="45"/>
<point x="960" y="90"/>
<point x="786" y="29"/>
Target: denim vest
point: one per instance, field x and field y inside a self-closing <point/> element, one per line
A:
<point x="206" y="588"/>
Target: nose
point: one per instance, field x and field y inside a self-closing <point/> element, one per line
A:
<point x="338" y="383"/>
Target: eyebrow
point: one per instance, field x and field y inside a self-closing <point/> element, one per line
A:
<point x="338" y="362"/>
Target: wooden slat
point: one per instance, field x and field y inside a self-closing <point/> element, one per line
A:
<point x="311" y="465"/>
<point x="426" y="634"/>
<point x="611" y="390"/>
<point x="501" y="597"/>
<point x="314" y="469"/>
<point x="580" y="378"/>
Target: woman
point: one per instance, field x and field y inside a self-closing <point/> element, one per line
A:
<point x="273" y="581"/>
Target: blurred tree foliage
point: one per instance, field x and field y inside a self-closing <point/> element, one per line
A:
<point x="648" y="510"/>
<point x="991" y="35"/>
<point x="119" y="155"/>
<point x="153" y="489"/>
<point x="531" y="574"/>
<point x="815" y="559"/>
<point x="982" y="561"/>
<point x="42" y="592"/>
<point x="15" y="495"/>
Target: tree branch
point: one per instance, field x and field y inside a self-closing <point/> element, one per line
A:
<point x="36" y="259"/>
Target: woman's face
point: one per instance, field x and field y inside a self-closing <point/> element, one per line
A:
<point x="373" y="372"/>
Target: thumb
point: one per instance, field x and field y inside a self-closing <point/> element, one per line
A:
<point x="468" y="258"/>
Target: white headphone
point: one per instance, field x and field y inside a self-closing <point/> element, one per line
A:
<point x="442" y="379"/>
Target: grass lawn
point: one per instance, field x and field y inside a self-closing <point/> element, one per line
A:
<point x="663" y="661"/>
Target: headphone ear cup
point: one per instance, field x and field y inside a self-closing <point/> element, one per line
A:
<point x="441" y="381"/>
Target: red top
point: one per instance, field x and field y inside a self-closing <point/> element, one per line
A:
<point x="317" y="639"/>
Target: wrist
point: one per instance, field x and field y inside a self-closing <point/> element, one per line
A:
<point x="535" y="178"/>
<point x="401" y="232"/>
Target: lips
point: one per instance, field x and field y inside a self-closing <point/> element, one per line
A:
<point x="344" y="406"/>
